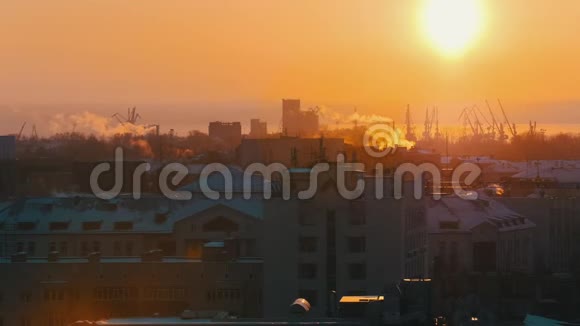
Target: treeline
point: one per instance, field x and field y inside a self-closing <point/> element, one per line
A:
<point x="520" y="148"/>
<point x="199" y="147"/>
<point x="74" y="146"/>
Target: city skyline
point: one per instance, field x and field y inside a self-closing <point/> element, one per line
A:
<point x="230" y="60"/>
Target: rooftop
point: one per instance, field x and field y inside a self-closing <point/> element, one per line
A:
<point x="90" y="215"/>
<point x="455" y="214"/>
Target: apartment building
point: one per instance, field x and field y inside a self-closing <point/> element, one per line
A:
<point x="319" y="249"/>
<point x="453" y="235"/>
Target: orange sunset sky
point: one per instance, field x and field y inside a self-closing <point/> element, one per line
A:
<point x="232" y="60"/>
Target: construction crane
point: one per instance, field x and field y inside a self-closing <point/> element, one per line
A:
<point x="511" y="127"/>
<point x="410" y="132"/>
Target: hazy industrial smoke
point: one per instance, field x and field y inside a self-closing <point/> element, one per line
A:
<point x="333" y="119"/>
<point x="93" y="124"/>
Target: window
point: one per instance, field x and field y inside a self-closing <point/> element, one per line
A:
<point x="357" y="271"/>
<point x="117" y="248"/>
<point x="307" y="271"/>
<point x="357" y="219"/>
<point x="84" y="248"/>
<point x="53" y="295"/>
<point x="96" y="246"/>
<point x="310" y="295"/>
<point x="164" y="293"/>
<point x="306" y="219"/>
<point x="449" y="225"/>
<point x="220" y="224"/>
<point x="91" y="226"/>
<point x="356" y="244"/>
<point x="453" y="257"/>
<point x="123" y="226"/>
<point x="356" y="292"/>
<point x="115" y="293"/>
<point x="51" y="246"/>
<point x="484" y="256"/>
<point x="31" y="248"/>
<point x="160" y="218"/>
<point x="307" y="244"/>
<point x="129" y="248"/>
<point x="25" y="226"/>
<point x="169" y="247"/>
<point x="63" y="248"/>
<point x="26" y="297"/>
<point x="525" y="251"/>
<point x="58" y="226"/>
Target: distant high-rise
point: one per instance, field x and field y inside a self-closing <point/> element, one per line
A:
<point x="229" y="132"/>
<point x="296" y="122"/>
<point x="258" y="129"/>
<point x="7" y="148"/>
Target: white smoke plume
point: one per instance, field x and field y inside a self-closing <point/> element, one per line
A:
<point x="342" y="125"/>
<point x="333" y="119"/>
<point x="93" y="124"/>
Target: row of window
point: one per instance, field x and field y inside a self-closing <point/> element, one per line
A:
<point x="353" y="219"/>
<point x="121" y="293"/>
<point x="62" y="226"/>
<point x="48" y="295"/>
<point x="224" y="295"/>
<point x="355" y="271"/>
<point x="353" y="244"/>
<point x="119" y="248"/>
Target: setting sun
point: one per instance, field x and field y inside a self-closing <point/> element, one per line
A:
<point x="452" y="25"/>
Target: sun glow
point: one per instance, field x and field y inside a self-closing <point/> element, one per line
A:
<point x="452" y="25"/>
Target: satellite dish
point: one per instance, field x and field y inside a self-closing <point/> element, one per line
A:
<point x="300" y="306"/>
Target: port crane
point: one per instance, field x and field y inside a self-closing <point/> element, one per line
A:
<point x="132" y="116"/>
<point x="410" y="132"/>
<point x="511" y="127"/>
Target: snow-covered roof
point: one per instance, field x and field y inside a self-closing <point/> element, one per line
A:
<point x="153" y="214"/>
<point x="216" y="182"/>
<point x="455" y="214"/>
<point x="558" y="171"/>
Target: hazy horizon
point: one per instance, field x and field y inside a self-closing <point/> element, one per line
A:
<point x="193" y="62"/>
